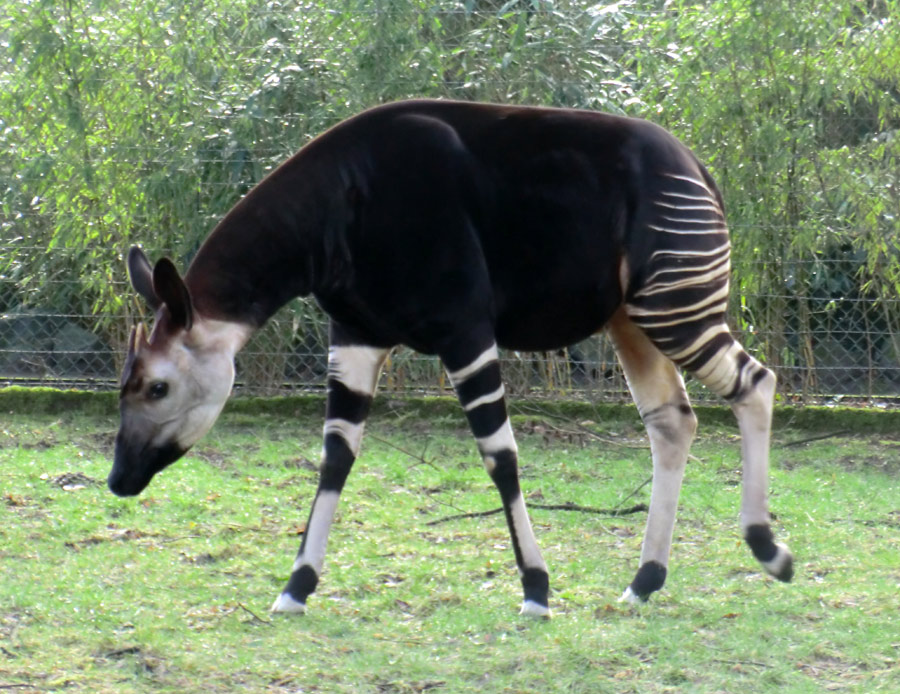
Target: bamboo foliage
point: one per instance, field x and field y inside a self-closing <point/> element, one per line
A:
<point x="143" y="122"/>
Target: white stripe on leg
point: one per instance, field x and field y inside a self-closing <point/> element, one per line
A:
<point x="487" y="356"/>
<point x="531" y="553"/>
<point x="316" y="540"/>
<point x="357" y="367"/>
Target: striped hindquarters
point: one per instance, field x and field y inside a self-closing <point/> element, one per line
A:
<point x="682" y="299"/>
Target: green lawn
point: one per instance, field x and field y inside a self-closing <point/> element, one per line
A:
<point x="169" y="592"/>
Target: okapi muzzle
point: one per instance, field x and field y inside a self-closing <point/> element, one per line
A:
<point x="136" y="463"/>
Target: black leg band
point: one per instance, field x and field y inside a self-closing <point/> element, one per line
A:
<point x="649" y="578"/>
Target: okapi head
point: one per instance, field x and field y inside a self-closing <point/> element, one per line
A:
<point x="174" y="382"/>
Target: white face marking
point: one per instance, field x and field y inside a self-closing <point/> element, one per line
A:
<point x="195" y="373"/>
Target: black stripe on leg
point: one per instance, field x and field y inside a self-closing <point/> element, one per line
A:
<point x="761" y="541"/>
<point x="338" y="461"/>
<point x="487" y="419"/>
<point x="482" y="382"/>
<point x="506" y="477"/>
<point x="346" y="404"/>
<point x="536" y="584"/>
<point x="739" y="388"/>
<point x="716" y="344"/>
<point x="302" y="583"/>
<point x="649" y="578"/>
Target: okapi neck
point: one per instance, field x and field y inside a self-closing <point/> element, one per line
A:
<point x="271" y="247"/>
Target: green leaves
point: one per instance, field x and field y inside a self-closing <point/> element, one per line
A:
<point x="145" y="121"/>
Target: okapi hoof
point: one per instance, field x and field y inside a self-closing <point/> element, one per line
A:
<point x="775" y="557"/>
<point x="630" y="597"/>
<point x="285" y="603"/>
<point x="534" y="609"/>
<point x="536" y="583"/>
<point x="782" y="566"/>
<point x="649" y="578"/>
<point x="300" y="586"/>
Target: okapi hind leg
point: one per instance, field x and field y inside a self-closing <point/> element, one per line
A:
<point x="352" y="377"/>
<point x="475" y="374"/>
<point x="658" y="391"/>
<point x="723" y="366"/>
<point x="749" y="387"/>
<point x="680" y="303"/>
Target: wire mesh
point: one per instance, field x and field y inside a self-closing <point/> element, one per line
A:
<point x="144" y="122"/>
<point x="832" y="349"/>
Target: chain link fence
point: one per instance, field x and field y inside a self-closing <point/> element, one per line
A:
<point x="144" y="122"/>
<point x="824" y="348"/>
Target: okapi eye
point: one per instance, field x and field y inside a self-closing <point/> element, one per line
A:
<point x="158" y="390"/>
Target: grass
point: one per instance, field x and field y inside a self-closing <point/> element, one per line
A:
<point x="169" y="592"/>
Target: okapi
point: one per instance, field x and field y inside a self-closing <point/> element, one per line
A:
<point x="454" y="229"/>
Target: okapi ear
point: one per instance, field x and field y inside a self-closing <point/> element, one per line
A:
<point x="141" y="275"/>
<point x="171" y="289"/>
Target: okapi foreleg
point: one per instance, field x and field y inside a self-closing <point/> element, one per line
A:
<point x="476" y="378"/>
<point x="658" y="391"/>
<point x="352" y="377"/>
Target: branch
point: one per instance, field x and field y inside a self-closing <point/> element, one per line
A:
<point x="568" y="506"/>
<point x="421" y="458"/>
<point x="800" y="442"/>
<point x="253" y="614"/>
<point x="579" y="426"/>
<point x="457" y="516"/>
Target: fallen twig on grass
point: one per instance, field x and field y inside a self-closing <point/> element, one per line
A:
<point x="635" y="490"/>
<point x="568" y="506"/>
<point x="580" y="427"/>
<point x="752" y="663"/>
<point x="421" y="458"/>
<point x="819" y="437"/>
<point x="253" y="614"/>
<point x="458" y="516"/>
